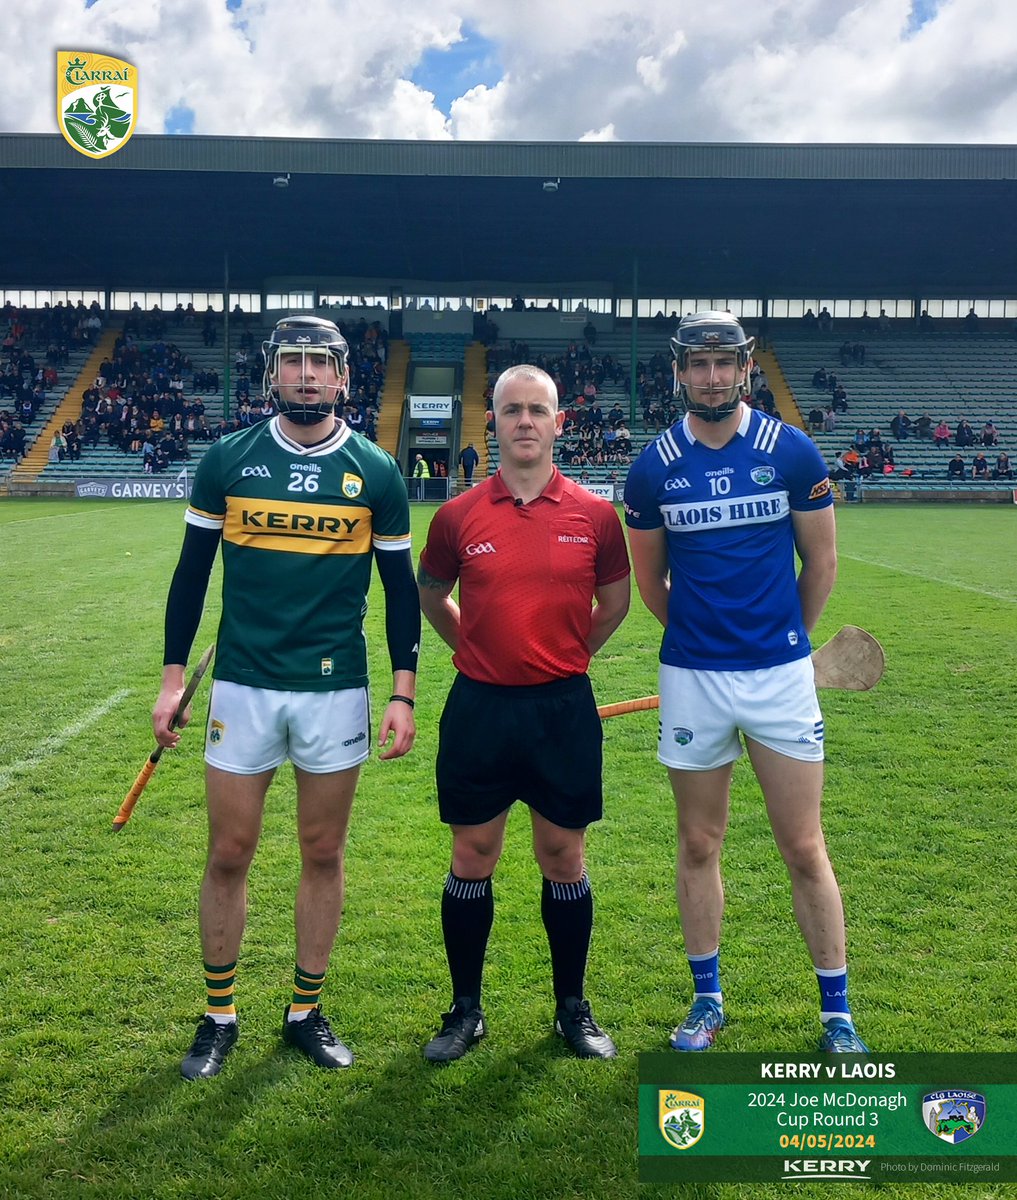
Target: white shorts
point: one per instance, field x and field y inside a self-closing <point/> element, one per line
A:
<point x="702" y="712"/>
<point x="251" y="730"/>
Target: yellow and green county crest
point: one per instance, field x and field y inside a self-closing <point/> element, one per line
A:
<point x="681" y="1116"/>
<point x="352" y="486"/>
<point x="97" y="101"/>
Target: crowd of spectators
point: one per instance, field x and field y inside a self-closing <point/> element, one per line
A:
<point x="870" y="454"/>
<point x="27" y="381"/>
<point x="148" y="398"/>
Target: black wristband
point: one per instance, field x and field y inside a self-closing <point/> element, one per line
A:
<point x="404" y="699"/>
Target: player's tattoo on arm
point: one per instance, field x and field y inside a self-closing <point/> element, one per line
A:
<point x="426" y="580"/>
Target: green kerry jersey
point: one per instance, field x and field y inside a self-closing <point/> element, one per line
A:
<point x="299" y="528"/>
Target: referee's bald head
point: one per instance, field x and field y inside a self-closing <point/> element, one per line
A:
<point x="532" y="374"/>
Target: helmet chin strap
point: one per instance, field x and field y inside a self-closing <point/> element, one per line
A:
<point x="720" y="413"/>
<point x="302" y="415"/>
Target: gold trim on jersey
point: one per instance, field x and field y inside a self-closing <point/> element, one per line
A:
<point x="297" y="526"/>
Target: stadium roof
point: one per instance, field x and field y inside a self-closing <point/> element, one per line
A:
<point x="692" y="219"/>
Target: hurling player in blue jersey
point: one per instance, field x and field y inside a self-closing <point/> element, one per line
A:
<point x="716" y="507"/>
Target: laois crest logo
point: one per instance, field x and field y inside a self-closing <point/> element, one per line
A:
<point x="97" y="101"/>
<point x="953" y="1116"/>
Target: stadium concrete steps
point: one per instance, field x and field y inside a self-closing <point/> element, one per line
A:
<point x="783" y="394"/>
<point x="474" y="424"/>
<point x="393" y="395"/>
<point x="69" y="409"/>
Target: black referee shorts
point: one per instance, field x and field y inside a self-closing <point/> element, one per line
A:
<point x="539" y="744"/>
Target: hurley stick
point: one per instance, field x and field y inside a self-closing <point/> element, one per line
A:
<point x="146" y="772"/>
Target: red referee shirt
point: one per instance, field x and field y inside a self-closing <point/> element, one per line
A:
<point x="526" y="577"/>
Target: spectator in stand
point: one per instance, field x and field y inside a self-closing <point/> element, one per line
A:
<point x="923" y="427"/>
<point x="817" y="419"/>
<point x="941" y="437"/>
<point x="829" y="419"/>
<point x="955" y="468"/>
<point x="858" y="353"/>
<point x="839" y="401"/>
<point x="825" y="320"/>
<point x="980" y="466"/>
<point x="468" y="460"/>
<point x="888" y="456"/>
<point x="1002" y="469"/>
<point x="990" y="434"/>
<point x="819" y="380"/>
<point x="883" y="324"/>
<point x="965" y="435"/>
<point x="900" y="426"/>
<point x="971" y="321"/>
<point x="925" y="322"/>
<point x="845" y="465"/>
<point x="765" y="398"/>
<point x="57" y="447"/>
<point x="861" y="441"/>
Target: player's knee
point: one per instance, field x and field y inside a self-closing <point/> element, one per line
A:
<point x="561" y="862"/>
<point x="321" y="853"/>
<point x="806" y="857"/>
<point x="700" y="847"/>
<point x="230" y="855"/>
<point x="475" y="858"/>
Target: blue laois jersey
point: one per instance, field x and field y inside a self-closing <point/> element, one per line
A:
<point x="734" y="602"/>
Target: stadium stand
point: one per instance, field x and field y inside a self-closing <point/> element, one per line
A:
<point x="948" y="376"/>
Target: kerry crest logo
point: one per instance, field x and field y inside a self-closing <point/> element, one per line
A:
<point x="681" y="1117"/>
<point x="97" y="101"/>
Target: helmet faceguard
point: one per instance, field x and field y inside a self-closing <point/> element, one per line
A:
<point x="714" y="333"/>
<point x="306" y="336"/>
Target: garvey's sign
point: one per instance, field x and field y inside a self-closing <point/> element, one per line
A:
<point x="178" y="488"/>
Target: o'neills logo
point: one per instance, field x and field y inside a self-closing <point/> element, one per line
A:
<point x="97" y="101"/>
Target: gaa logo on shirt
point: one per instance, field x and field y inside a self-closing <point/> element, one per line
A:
<point x="353" y="485"/>
<point x="326" y="666"/>
<point x="683" y="736"/>
<point x="216" y="732"/>
<point x="762" y="475"/>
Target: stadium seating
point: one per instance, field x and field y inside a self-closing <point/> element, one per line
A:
<point x="948" y="375"/>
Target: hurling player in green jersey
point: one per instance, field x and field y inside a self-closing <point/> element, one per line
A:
<point x="300" y="504"/>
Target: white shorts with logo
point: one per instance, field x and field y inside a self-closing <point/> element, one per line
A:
<point x="702" y="712"/>
<point x="251" y="730"/>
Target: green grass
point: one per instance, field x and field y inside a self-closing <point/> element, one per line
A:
<point x="98" y="933"/>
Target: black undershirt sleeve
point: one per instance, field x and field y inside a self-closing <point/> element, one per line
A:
<point x="187" y="592"/>
<point x="402" y="608"/>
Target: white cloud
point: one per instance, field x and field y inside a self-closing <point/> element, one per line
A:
<point x="651" y="68"/>
<point x="607" y="134"/>
<point x="671" y="70"/>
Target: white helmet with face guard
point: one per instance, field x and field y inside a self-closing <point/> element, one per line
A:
<point x="312" y="396"/>
<point x="713" y="333"/>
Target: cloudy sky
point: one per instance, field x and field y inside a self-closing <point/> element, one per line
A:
<point x="533" y="70"/>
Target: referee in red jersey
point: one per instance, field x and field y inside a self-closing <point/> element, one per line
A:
<point x="543" y="579"/>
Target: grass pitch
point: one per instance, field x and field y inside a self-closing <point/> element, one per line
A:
<point x="98" y="933"/>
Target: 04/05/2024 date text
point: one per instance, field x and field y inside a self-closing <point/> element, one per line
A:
<point x="827" y="1141"/>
